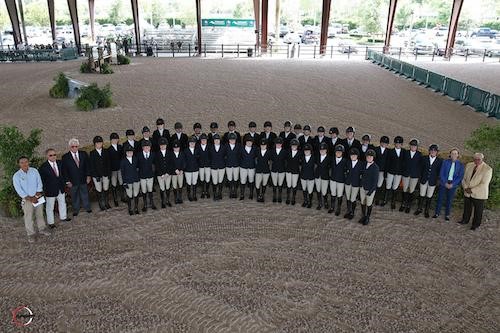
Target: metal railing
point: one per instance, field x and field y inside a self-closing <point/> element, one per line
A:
<point x="480" y="100"/>
<point x="14" y="55"/>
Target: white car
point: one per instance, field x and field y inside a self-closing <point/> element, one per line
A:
<point x="292" y="38"/>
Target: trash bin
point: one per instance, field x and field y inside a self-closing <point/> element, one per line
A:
<point x="249" y="52"/>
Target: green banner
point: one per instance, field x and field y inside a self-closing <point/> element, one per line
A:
<point x="230" y="23"/>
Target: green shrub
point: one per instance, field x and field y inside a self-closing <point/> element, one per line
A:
<point x="85" y="67"/>
<point x="61" y="88"/>
<point x="93" y="97"/>
<point x="122" y="59"/>
<point x="12" y="145"/>
<point x="106" y="68"/>
<point x="486" y="140"/>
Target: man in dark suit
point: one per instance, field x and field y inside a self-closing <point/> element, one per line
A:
<point x="369" y="180"/>
<point x="252" y="133"/>
<point x="145" y="162"/>
<point x="100" y="171"/>
<point x="429" y="176"/>
<point x="268" y="134"/>
<point x="76" y="172"/>
<point x="53" y="187"/>
<point x="231" y="126"/>
<point x="287" y="135"/>
<point x="350" y="141"/>
<point x="306" y="138"/>
<point x="160" y="132"/>
<point x="365" y="145"/>
<point x="179" y="136"/>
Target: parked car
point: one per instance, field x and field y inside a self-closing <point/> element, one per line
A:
<point x="347" y="46"/>
<point x="310" y="37"/>
<point x="494" y="50"/>
<point x="292" y="38"/>
<point x="422" y="46"/>
<point x="334" y="29"/>
<point x="439" y="47"/>
<point x="484" y="32"/>
<point x="473" y="47"/>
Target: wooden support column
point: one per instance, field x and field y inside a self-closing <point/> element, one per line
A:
<point x="92" y="19"/>
<point x="135" y="15"/>
<point x="14" y="20"/>
<point x="198" y="25"/>
<point x="452" y="30"/>
<point x="390" y="23"/>
<point x="265" y="12"/>
<point x="325" y="21"/>
<point x="50" y="4"/>
<point x="73" y="13"/>
<point x="256" y="13"/>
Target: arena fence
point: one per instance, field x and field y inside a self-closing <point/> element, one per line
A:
<point x="480" y="100"/>
<point x="38" y="55"/>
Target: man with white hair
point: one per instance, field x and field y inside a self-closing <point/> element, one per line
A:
<point x="76" y="170"/>
<point x="477" y="177"/>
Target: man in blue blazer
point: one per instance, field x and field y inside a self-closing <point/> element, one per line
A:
<point x="76" y="172"/>
<point x="451" y="175"/>
<point x="51" y="172"/>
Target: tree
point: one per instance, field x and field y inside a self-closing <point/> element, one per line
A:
<point x="115" y="12"/>
<point x="370" y="16"/>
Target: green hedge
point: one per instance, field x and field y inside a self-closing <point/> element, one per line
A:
<point x="85" y="67"/>
<point x="93" y="97"/>
<point x="61" y="88"/>
<point x="486" y="140"/>
<point x="14" y="144"/>
<point x="122" y="59"/>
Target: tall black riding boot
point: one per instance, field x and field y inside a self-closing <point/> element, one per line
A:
<point x="202" y="185"/>
<point x="280" y="193"/>
<point x="427" y="207"/>
<point x="294" y="194"/>
<point x="363" y="214"/>
<point x="189" y="193"/>
<point x="325" y="201"/>
<point x="129" y="204"/>
<point x="219" y="194"/>
<point x="385" y="197"/>
<point x="136" y="205"/>
<point x="124" y="196"/>
<point x="151" y="201"/>
<point x="251" y="187"/>
<point x="353" y="210"/>
<point x="332" y="204"/>
<point x="274" y="194"/>
<point x="115" y="195"/>
<point x="310" y="200"/>
<point x="393" y="199"/>
<point x="100" y="199"/>
<point x="349" y="209"/>
<point x="419" y="206"/>
<point x="403" y="201"/>
<point x="195" y="198"/>
<point x="378" y="195"/>
<point x="167" y="199"/>
<point x="179" y="194"/>
<point x="242" y="191"/>
<point x="339" y="204"/>
<point x="368" y="214"/>
<point x="304" y="204"/>
<point x="288" y="190"/>
<point x="162" y="196"/>
<point x="409" y="199"/>
<point x="106" y="200"/>
<point x="320" y="201"/>
<point x="263" y="194"/>
<point x="214" y="192"/>
<point x="145" y="202"/>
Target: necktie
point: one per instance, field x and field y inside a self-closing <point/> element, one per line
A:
<point x="474" y="171"/>
<point x="77" y="160"/>
<point x="55" y="169"/>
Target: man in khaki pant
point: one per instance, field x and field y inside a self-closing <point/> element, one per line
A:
<point x="28" y="185"/>
<point x="477" y="178"/>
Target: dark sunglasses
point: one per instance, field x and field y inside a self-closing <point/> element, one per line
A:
<point x="52" y="155"/>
